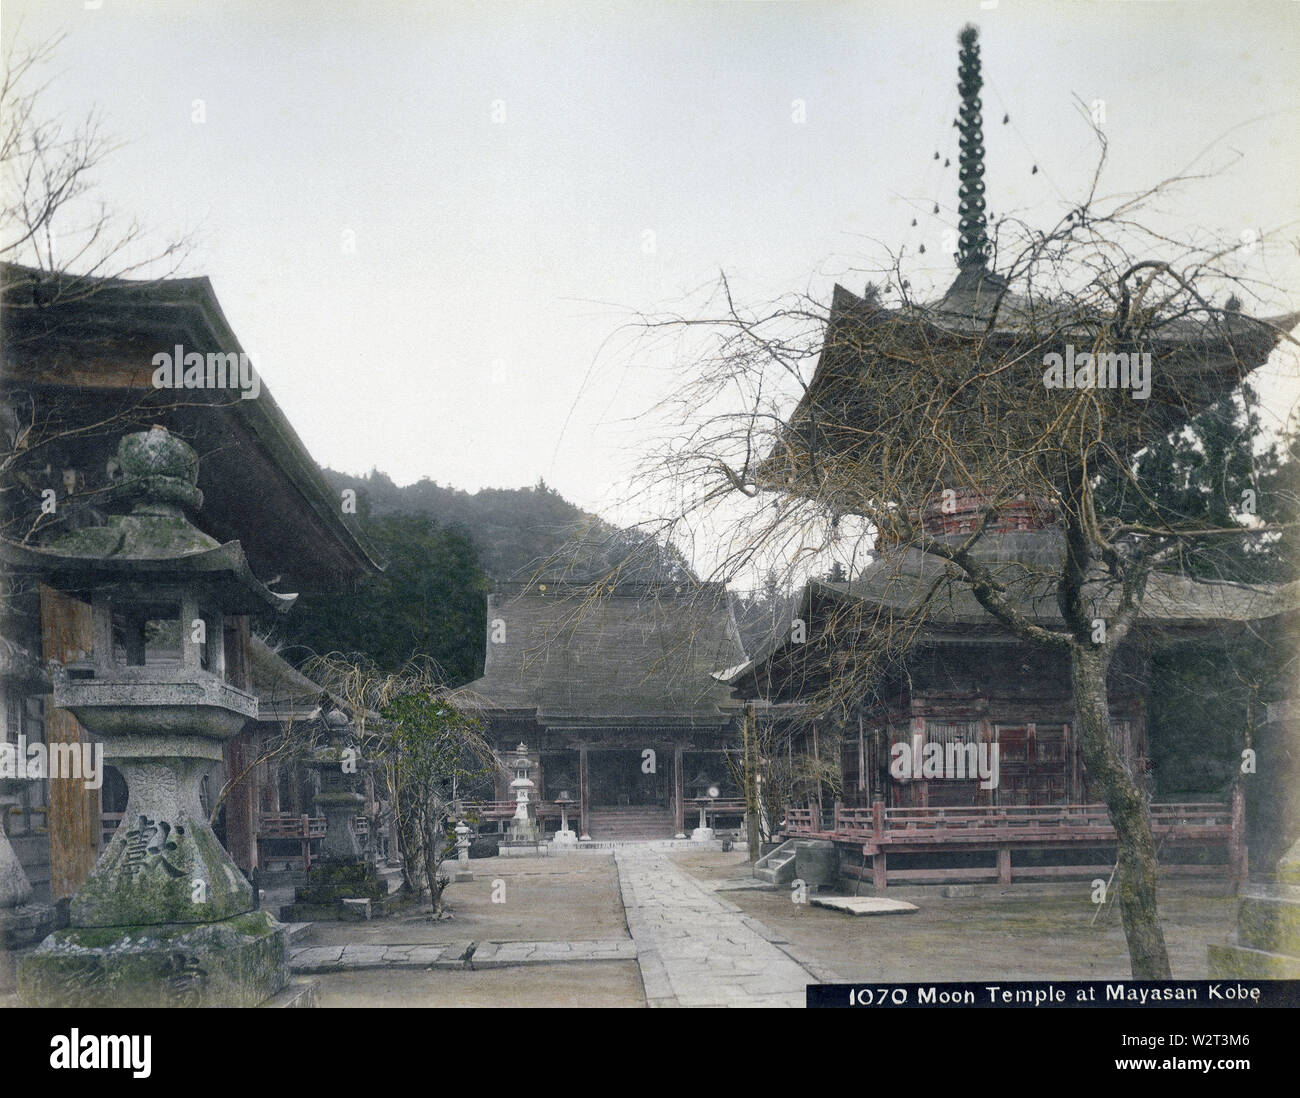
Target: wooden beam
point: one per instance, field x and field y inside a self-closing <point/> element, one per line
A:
<point x="67" y="634"/>
<point x="679" y="792"/>
<point x="583" y="800"/>
<point x="240" y="751"/>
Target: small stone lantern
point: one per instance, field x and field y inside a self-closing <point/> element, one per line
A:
<point x="705" y="794"/>
<point x="564" y="837"/>
<point x="338" y="798"/>
<point x="463" y="871"/>
<point x="166" y="918"/>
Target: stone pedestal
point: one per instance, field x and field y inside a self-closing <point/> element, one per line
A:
<point x="20" y="928"/>
<point x="522" y="831"/>
<point x="166" y="919"/>
<point x="564" y="836"/>
<point x="703" y="833"/>
<point x="339" y="809"/>
<point x="1268" y="937"/>
<point x="1268" y="929"/>
<point x="235" y="962"/>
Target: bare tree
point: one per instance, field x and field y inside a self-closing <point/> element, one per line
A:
<point x="49" y="219"/>
<point x="924" y="429"/>
<point x="422" y="744"/>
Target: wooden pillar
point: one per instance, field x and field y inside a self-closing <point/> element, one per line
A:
<point x="240" y="751"/>
<point x="582" y="792"/>
<point x="1004" y="865"/>
<point x="1238" y="866"/>
<point x="679" y="792"/>
<point x="879" y="877"/>
<point x="269" y="787"/>
<point x="73" y="820"/>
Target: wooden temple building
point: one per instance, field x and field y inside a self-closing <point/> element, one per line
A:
<point x="611" y="690"/>
<point x="903" y="657"/>
<point x="79" y="374"/>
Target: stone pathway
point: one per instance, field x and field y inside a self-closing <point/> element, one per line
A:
<point x="697" y="949"/>
<point x="336" y="958"/>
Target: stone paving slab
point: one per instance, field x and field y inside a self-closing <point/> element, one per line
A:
<point x="697" y="949"/>
<point x="864" y="905"/>
<point x="486" y="955"/>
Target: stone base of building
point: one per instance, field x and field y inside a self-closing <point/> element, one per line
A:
<point x="1268" y="937"/>
<point x="20" y="927"/>
<point x="241" y="961"/>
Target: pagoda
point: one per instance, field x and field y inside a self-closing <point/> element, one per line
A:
<point x="957" y="675"/>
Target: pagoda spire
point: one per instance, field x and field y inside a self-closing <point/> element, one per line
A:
<point x="973" y="244"/>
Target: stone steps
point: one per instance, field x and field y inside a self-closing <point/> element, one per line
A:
<point x="630" y="822"/>
<point x="776" y="867"/>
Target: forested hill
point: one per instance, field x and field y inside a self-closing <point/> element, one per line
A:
<point x="517" y="531"/>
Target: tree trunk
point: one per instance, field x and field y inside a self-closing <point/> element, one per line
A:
<point x="753" y="806"/>
<point x="1136" y="878"/>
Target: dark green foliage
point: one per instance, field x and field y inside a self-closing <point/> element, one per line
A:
<point x="430" y="748"/>
<point x="329" y="882"/>
<point x="430" y="601"/>
<point x="1207" y="697"/>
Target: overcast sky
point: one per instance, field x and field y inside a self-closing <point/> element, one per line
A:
<point x="427" y="220"/>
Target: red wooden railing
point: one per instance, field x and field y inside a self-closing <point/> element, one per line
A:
<point x="877" y="830"/>
<point x="285" y="825"/>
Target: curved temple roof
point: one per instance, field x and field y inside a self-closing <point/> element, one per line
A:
<point x="639" y="654"/>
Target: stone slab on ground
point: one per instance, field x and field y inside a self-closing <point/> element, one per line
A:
<point x="352" y="957"/>
<point x="864" y="905"/>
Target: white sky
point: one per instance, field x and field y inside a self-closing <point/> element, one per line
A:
<point x="467" y="337"/>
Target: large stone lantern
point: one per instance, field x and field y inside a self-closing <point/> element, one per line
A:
<point x="165" y="917"/>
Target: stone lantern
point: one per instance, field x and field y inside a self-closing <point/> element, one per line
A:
<point x="338" y="798"/>
<point x="463" y="871"/>
<point x="165" y="918"/>
<point x="705" y="794"/>
<point x="522" y="827"/>
<point x="564" y="837"/>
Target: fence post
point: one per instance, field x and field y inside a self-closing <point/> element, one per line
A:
<point x="878" y="819"/>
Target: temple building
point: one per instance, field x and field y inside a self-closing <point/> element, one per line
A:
<point x="611" y="690"/>
<point x="903" y="659"/>
<point x="81" y="370"/>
